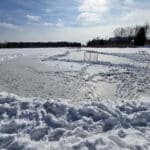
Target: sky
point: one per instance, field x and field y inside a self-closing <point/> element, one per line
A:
<point x="68" y="20"/>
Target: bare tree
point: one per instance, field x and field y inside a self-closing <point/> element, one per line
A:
<point x="130" y="32"/>
<point x="124" y="32"/>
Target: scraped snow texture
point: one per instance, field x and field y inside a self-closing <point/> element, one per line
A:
<point x="63" y="73"/>
<point x="36" y="124"/>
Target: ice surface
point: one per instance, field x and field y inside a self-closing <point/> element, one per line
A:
<point x="63" y="73"/>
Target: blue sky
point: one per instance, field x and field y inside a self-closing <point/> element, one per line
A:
<point x="72" y="20"/>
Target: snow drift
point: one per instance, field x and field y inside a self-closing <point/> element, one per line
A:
<point x="35" y="124"/>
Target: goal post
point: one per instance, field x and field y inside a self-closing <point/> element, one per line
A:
<point x="90" y="56"/>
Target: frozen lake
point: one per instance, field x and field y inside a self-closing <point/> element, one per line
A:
<point x="56" y="99"/>
<point x="63" y="73"/>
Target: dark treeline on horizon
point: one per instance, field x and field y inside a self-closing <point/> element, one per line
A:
<point x="38" y="44"/>
<point x="124" y="37"/>
<point x="115" y="42"/>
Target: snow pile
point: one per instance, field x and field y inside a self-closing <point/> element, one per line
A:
<point x="5" y="58"/>
<point x="35" y="124"/>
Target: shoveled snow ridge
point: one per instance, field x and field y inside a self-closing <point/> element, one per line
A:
<point x="35" y="124"/>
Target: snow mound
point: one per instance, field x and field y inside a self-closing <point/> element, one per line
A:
<point x="35" y="124"/>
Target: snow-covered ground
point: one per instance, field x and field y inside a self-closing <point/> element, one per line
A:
<point x="62" y="101"/>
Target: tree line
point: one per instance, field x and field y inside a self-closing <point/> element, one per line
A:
<point x="123" y="37"/>
<point x="127" y="36"/>
<point x="39" y="44"/>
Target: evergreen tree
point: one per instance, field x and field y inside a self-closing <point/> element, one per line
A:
<point x="140" y="37"/>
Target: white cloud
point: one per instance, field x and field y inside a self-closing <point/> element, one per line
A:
<point x="39" y="21"/>
<point x="48" y="24"/>
<point x="58" y="24"/>
<point x="93" y="6"/>
<point x="100" y="12"/>
<point x="9" y="26"/>
<point x="33" y="18"/>
<point x="129" y="1"/>
<point x="136" y="16"/>
<point x="88" y="18"/>
<point x="91" y="11"/>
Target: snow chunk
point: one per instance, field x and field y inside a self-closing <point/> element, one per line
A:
<point x="31" y="123"/>
<point x="38" y="133"/>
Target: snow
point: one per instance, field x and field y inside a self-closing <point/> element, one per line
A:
<point x="60" y="125"/>
<point x="60" y="101"/>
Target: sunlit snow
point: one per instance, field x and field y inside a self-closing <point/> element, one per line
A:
<point x="62" y="101"/>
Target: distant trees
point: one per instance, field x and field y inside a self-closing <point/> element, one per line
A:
<point x="140" y="37"/>
<point x="38" y="44"/>
<point x="96" y="42"/>
<point x="124" y="36"/>
<point x="137" y="33"/>
<point x="125" y="32"/>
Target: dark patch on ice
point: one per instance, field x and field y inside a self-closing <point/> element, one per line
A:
<point x="52" y="122"/>
<point x="16" y="146"/>
<point x="73" y="114"/>
<point x="9" y="128"/>
<point x="54" y="108"/>
<point x="121" y="134"/>
<point x="130" y="108"/>
<point x="109" y="124"/>
<point x="38" y="133"/>
<point x="5" y="141"/>
<point x="56" y="134"/>
<point x="10" y="111"/>
<point x="24" y="105"/>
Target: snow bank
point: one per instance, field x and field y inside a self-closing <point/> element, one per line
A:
<point x="4" y="58"/>
<point x="35" y="124"/>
